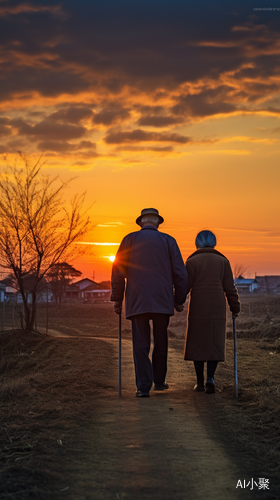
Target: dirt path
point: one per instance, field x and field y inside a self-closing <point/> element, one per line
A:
<point x="166" y="447"/>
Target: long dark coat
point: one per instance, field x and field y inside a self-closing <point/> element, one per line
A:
<point x="210" y="284"/>
<point x="150" y="268"/>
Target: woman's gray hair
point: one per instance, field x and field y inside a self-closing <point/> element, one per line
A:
<point x="205" y="239"/>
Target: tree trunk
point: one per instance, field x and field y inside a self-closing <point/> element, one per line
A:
<point x="33" y="310"/>
<point x="25" y="316"/>
<point x="29" y="311"/>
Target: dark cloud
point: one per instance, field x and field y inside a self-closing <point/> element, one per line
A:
<point x="159" y="121"/>
<point x="51" y="82"/>
<point x="154" y="51"/>
<point x="139" y="135"/>
<point x="72" y="114"/>
<point x="148" y="45"/>
<point x="15" y="145"/>
<point x="65" y="147"/>
<point x="155" y="149"/>
<point x="271" y="109"/>
<point x="5" y="128"/>
<point x="49" y="129"/>
<point x="111" y="114"/>
<point x="206" y="103"/>
<point x="162" y="149"/>
<point x="256" y="91"/>
<point x="150" y="110"/>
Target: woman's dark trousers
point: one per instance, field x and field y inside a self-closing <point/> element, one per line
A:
<point x="199" y="369"/>
<point x="147" y="372"/>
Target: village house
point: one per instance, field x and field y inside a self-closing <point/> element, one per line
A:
<point x="268" y="284"/>
<point x="87" y="290"/>
<point x="12" y="295"/>
<point x="259" y="284"/>
<point x="84" y="290"/>
<point x="75" y="291"/>
<point x="93" y="294"/>
<point x="246" y="285"/>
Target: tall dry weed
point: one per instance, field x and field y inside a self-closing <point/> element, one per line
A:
<point x="14" y="389"/>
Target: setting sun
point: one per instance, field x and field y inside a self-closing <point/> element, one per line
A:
<point x="112" y="258"/>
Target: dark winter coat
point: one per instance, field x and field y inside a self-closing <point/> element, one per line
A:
<point x="210" y="283"/>
<point x="150" y="264"/>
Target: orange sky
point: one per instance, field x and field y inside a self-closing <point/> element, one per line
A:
<point x="233" y="198"/>
<point x="163" y="110"/>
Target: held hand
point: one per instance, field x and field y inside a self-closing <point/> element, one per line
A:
<point x="179" y="307"/>
<point x="118" y="307"/>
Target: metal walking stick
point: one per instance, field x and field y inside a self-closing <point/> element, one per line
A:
<point x="120" y="353"/>
<point x="235" y="355"/>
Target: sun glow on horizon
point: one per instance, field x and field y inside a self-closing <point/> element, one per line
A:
<point x="112" y="258"/>
<point x="97" y="243"/>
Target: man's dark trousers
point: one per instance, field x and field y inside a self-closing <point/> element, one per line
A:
<point x="145" y="371"/>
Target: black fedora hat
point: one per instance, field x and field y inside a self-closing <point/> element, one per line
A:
<point x="149" y="211"/>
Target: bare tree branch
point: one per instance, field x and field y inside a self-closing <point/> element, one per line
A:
<point x="37" y="231"/>
<point x="239" y="270"/>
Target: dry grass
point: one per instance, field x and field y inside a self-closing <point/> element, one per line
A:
<point x="18" y="388"/>
<point x="71" y="319"/>
<point x="49" y="385"/>
<point x="47" y="389"/>
<point x="256" y="412"/>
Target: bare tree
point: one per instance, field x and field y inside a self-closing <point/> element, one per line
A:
<point x="37" y="230"/>
<point x="239" y="269"/>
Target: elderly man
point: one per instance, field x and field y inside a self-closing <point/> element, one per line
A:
<point x="150" y="264"/>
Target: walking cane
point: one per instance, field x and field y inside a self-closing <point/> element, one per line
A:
<point x="235" y="355"/>
<point x="120" y="353"/>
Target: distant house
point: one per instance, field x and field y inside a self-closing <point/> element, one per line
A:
<point x="45" y="295"/>
<point x="268" y="284"/>
<point x="93" y="294"/>
<point x="12" y="295"/>
<point x="74" y="290"/>
<point x="81" y="284"/>
<point x="246" y="285"/>
<point x="86" y="290"/>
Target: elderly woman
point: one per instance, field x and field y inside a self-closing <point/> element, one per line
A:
<point x="210" y="283"/>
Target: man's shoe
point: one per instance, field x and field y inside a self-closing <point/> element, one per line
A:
<point x="161" y="387"/>
<point x="209" y="388"/>
<point x="141" y="394"/>
<point x="198" y="388"/>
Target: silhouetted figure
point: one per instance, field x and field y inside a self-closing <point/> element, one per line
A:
<point x="210" y="283"/>
<point x="150" y="269"/>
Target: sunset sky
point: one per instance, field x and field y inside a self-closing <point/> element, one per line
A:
<point x="166" y="104"/>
